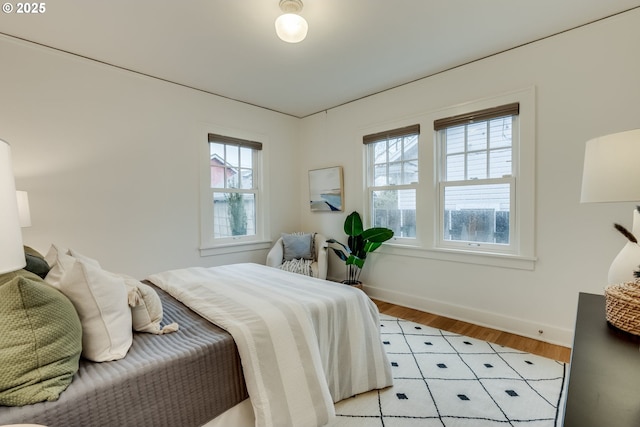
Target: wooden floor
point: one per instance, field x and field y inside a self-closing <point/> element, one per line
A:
<point x="506" y="339"/>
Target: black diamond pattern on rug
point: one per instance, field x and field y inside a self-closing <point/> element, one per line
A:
<point x="444" y="379"/>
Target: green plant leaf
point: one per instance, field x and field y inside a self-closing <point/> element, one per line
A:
<point x="356" y="243"/>
<point x="354" y="260"/>
<point x="353" y="224"/>
<point x="377" y="234"/>
<point x="359" y="243"/>
<point x="371" y="246"/>
<point x="340" y="254"/>
<point x="346" y="248"/>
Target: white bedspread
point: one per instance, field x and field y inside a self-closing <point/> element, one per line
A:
<point x="304" y="343"/>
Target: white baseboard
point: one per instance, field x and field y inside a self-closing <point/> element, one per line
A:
<point x="549" y="334"/>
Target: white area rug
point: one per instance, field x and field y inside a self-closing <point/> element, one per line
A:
<point x="444" y="379"/>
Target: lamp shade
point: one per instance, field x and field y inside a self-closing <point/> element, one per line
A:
<point x="611" y="168"/>
<point x="24" y="213"/>
<point x="11" y="250"/>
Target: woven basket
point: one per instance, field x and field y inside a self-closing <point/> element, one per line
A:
<point x="623" y="306"/>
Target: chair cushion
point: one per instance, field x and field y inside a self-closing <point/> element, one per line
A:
<point x="297" y="246"/>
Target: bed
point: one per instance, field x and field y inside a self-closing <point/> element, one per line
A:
<point x="312" y="335"/>
<point x="180" y="379"/>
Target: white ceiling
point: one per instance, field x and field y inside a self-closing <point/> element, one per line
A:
<point x="354" y="48"/>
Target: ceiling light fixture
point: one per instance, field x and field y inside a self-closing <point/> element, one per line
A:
<point x="291" y="27"/>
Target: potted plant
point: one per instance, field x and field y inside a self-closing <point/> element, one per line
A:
<point x="359" y="243"/>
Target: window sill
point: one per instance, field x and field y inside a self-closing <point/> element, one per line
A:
<point x="235" y="247"/>
<point x="480" y="258"/>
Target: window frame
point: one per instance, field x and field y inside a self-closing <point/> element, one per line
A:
<point x="209" y="244"/>
<point x="369" y="142"/>
<point x="427" y="203"/>
<point x="512" y="180"/>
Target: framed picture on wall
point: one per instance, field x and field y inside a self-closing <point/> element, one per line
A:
<point x="326" y="192"/>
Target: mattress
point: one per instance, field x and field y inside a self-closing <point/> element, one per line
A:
<point x="185" y="378"/>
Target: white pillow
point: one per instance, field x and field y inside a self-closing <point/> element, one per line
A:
<point x="59" y="265"/>
<point x="146" y="308"/>
<point x="100" y="298"/>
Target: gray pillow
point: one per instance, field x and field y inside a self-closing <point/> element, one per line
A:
<point x="297" y="246"/>
<point x="35" y="262"/>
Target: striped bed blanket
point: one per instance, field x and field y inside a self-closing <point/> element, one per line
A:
<point x="304" y="343"/>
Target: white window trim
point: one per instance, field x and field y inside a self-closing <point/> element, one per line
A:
<point x="259" y="241"/>
<point x="425" y="243"/>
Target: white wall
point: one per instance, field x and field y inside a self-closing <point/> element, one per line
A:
<point x="587" y="84"/>
<point x="110" y="159"/>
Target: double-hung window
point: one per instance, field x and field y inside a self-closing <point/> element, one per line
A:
<point x="462" y="192"/>
<point x="477" y="179"/>
<point x="392" y="168"/>
<point x="233" y="193"/>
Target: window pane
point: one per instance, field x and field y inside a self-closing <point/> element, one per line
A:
<point x="216" y="150"/>
<point x="233" y="178"/>
<point x="246" y="157"/>
<point x="500" y="131"/>
<point x="477" y="213"/>
<point x="395" y="149"/>
<point x="380" y="152"/>
<point x="483" y="160"/>
<point x="395" y="209"/>
<point x="217" y="176"/>
<point x="395" y="173"/>
<point x="454" y="140"/>
<point x="234" y="214"/>
<point x="410" y="148"/>
<point x="410" y="174"/>
<point x="246" y="178"/>
<point x="477" y="136"/>
<point x="500" y="163"/>
<point x="454" y="168"/>
<point x="380" y="174"/>
<point x="231" y="166"/>
<point x="477" y="165"/>
<point x="232" y="156"/>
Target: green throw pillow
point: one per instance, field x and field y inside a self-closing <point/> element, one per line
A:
<point x="40" y="342"/>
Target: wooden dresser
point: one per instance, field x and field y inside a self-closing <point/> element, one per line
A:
<point x="604" y="378"/>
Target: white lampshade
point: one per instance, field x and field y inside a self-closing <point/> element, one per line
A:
<point x="24" y="213"/>
<point x="11" y="250"/>
<point x="291" y="28"/>
<point x="611" y="174"/>
<point x="611" y="170"/>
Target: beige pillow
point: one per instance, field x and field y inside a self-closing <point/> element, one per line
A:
<point x="100" y="298"/>
<point x="146" y="308"/>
